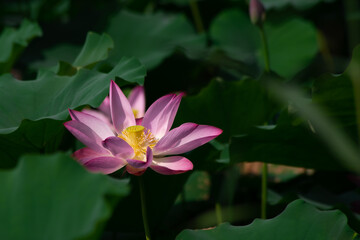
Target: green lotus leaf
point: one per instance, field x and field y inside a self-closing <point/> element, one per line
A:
<point x="226" y="105"/>
<point x="69" y="58"/>
<point x="95" y="49"/>
<point x="50" y="95"/>
<point x="155" y="36"/>
<point x="298" y="221"/>
<point x="14" y="41"/>
<point x="32" y="111"/>
<point x="289" y="51"/>
<point x="53" y="197"/>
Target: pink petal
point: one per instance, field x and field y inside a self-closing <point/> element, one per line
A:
<point x="135" y="171"/>
<point x="121" y="112"/>
<point x="105" y="165"/>
<point x="83" y="155"/>
<point x="98" y="126"/>
<point x="105" y="107"/>
<point x="138" y="167"/>
<point x="119" y="147"/>
<point x="171" y="165"/>
<point x="160" y="115"/>
<point x="99" y="115"/>
<point x="85" y="135"/>
<point x="137" y="100"/>
<point x="185" y="138"/>
<point x="141" y="164"/>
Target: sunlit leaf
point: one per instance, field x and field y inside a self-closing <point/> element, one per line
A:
<point x="298" y="221"/>
<point x="53" y="197"/>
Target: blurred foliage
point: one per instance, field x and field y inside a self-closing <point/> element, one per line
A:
<point x="155" y="36"/>
<point x="14" y="41"/>
<point x="289" y="50"/>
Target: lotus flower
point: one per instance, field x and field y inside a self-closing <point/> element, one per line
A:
<point x="137" y="102"/>
<point x="137" y="145"/>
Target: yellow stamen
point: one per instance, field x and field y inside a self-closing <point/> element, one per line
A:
<point x="139" y="140"/>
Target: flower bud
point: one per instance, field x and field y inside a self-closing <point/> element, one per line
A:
<point x="257" y="12"/>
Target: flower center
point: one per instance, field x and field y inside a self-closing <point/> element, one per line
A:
<point x="139" y="140"/>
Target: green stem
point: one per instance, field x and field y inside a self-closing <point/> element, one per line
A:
<point x="218" y="213"/>
<point x="143" y="208"/>
<point x="264" y="175"/>
<point x="196" y="15"/>
<point x="264" y="190"/>
<point x="351" y="8"/>
<point x="356" y="85"/>
<point x="354" y="73"/>
<point x="264" y="167"/>
<point x="266" y="49"/>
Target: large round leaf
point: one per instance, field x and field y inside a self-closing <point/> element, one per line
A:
<point x="289" y="51"/>
<point x="226" y="105"/>
<point x="299" y="221"/>
<point x="95" y="49"/>
<point x="50" y="95"/>
<point x="151" y="38"/>
<point x="53" y="197"/>
<point x="233" y="32"/>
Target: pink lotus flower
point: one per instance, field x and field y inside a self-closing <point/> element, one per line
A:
<point x="137" y="144"/>
<point x="137" y="102"/>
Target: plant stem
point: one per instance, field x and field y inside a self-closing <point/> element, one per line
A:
<point x="143" y="208"/>
<point x="218" y="213"/>
<point x="264" y="190"/>
<point x="264" y="175"/>
<point x="266" y="49"/>
<point x="196" y="15"/>
<point x="351" y="8"/>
